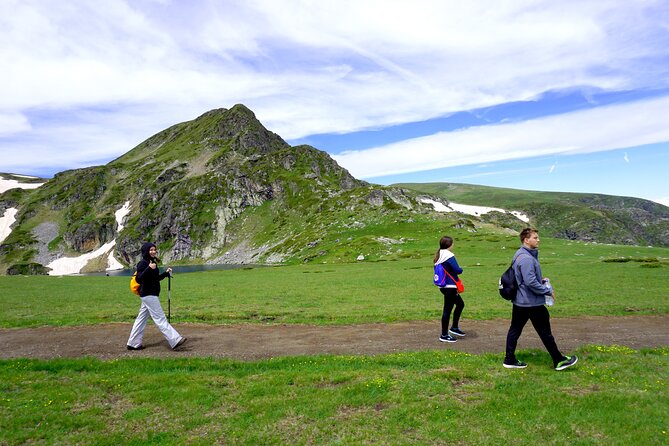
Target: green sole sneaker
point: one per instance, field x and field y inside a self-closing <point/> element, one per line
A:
<point x="570" y="361"/>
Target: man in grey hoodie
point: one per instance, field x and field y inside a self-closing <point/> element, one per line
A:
<point x="529" y="304"/>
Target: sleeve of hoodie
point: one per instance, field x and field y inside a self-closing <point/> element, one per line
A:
<point x="142" y="268"/>
<point x="528" y="271"/>
<point x="454" y="267"/>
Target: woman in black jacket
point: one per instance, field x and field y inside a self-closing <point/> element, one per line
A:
<point x="149" y="277"/>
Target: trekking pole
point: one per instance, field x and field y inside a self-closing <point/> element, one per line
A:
<point x="169" y="297"/>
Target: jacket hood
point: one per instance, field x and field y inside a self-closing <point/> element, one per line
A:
<point x="444" y="254"/>
<point x="145" y="250"/>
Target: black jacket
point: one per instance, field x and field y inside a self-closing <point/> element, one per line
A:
<point x="148" y="279"/>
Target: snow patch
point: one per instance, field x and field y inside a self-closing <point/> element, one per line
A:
<point x="112" y="263"/>
<point x="6" y="221"/>
<point x="9" y="217"/>
<point x="6" y="184"/>
<point x="120" y="215"/>
<point x="74" y="265"/>
<point x="476" y="211"/>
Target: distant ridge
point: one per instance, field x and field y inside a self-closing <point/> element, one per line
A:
<point x="574" y="216"/>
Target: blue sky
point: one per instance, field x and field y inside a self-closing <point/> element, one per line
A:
<point x="540" y="95"/>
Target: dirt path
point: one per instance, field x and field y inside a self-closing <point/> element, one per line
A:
<point x="252" y="342"/>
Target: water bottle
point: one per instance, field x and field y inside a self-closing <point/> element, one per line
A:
<point x="550" y="300"/>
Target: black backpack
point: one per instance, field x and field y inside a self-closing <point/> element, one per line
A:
<point x="508" y="287"/>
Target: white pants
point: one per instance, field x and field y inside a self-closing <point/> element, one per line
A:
<point x="151" y="306"/>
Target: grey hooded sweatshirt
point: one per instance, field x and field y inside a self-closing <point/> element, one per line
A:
<point x="531" y="292"/>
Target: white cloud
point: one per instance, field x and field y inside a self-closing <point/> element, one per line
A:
<point x="626" y="158"/>
<point x="303" y="67"/>
<point x="12" y="122"/>
<point x="593" y="130"/>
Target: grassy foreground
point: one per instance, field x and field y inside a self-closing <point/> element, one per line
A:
<point x="615" y="396"/>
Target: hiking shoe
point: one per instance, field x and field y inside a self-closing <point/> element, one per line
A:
<point x="514" y="365"/>
<point x="447" y="338"/>
<point x="456" y="331"/>
<point x="179" y="344"/>
<point x="130" y="347"/>
<point x="570" y="361"/>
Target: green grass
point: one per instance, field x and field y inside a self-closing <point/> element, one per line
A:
<point x="613" y="396"/>
<point x="588" y="279"/>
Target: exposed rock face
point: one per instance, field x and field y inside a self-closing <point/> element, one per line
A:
<point x="182" y="247"/>
<point x="375" y="198"/>
<point x="90" y="236"/>
<point x="45" y="233"/>
<point x="606" y="219"/>
<point x="379" y="197"/>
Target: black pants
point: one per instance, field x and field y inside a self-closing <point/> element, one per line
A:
<point x="542" y="324"/>
<point x="451" y="298"/>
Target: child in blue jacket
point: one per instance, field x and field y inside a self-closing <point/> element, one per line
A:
<point x="452" y="298"/>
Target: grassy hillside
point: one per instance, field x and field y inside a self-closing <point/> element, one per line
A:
<point x="574" y="216"/>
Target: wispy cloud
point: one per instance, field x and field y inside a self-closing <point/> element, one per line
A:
<point x="604" y="128"/>
<point x="532" y="170"/>
<point x="626" y="158"/>
<point x="12" y="123"/>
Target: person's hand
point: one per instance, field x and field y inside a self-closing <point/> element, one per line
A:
<point x="169" y="271"/>
<point x="152" y="265"/>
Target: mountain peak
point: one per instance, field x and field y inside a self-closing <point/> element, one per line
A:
<point x="212" y="113"/>
<point x="239" y="111"/>
<point x="241" y="108"/>
<point x="217" y="131"/>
